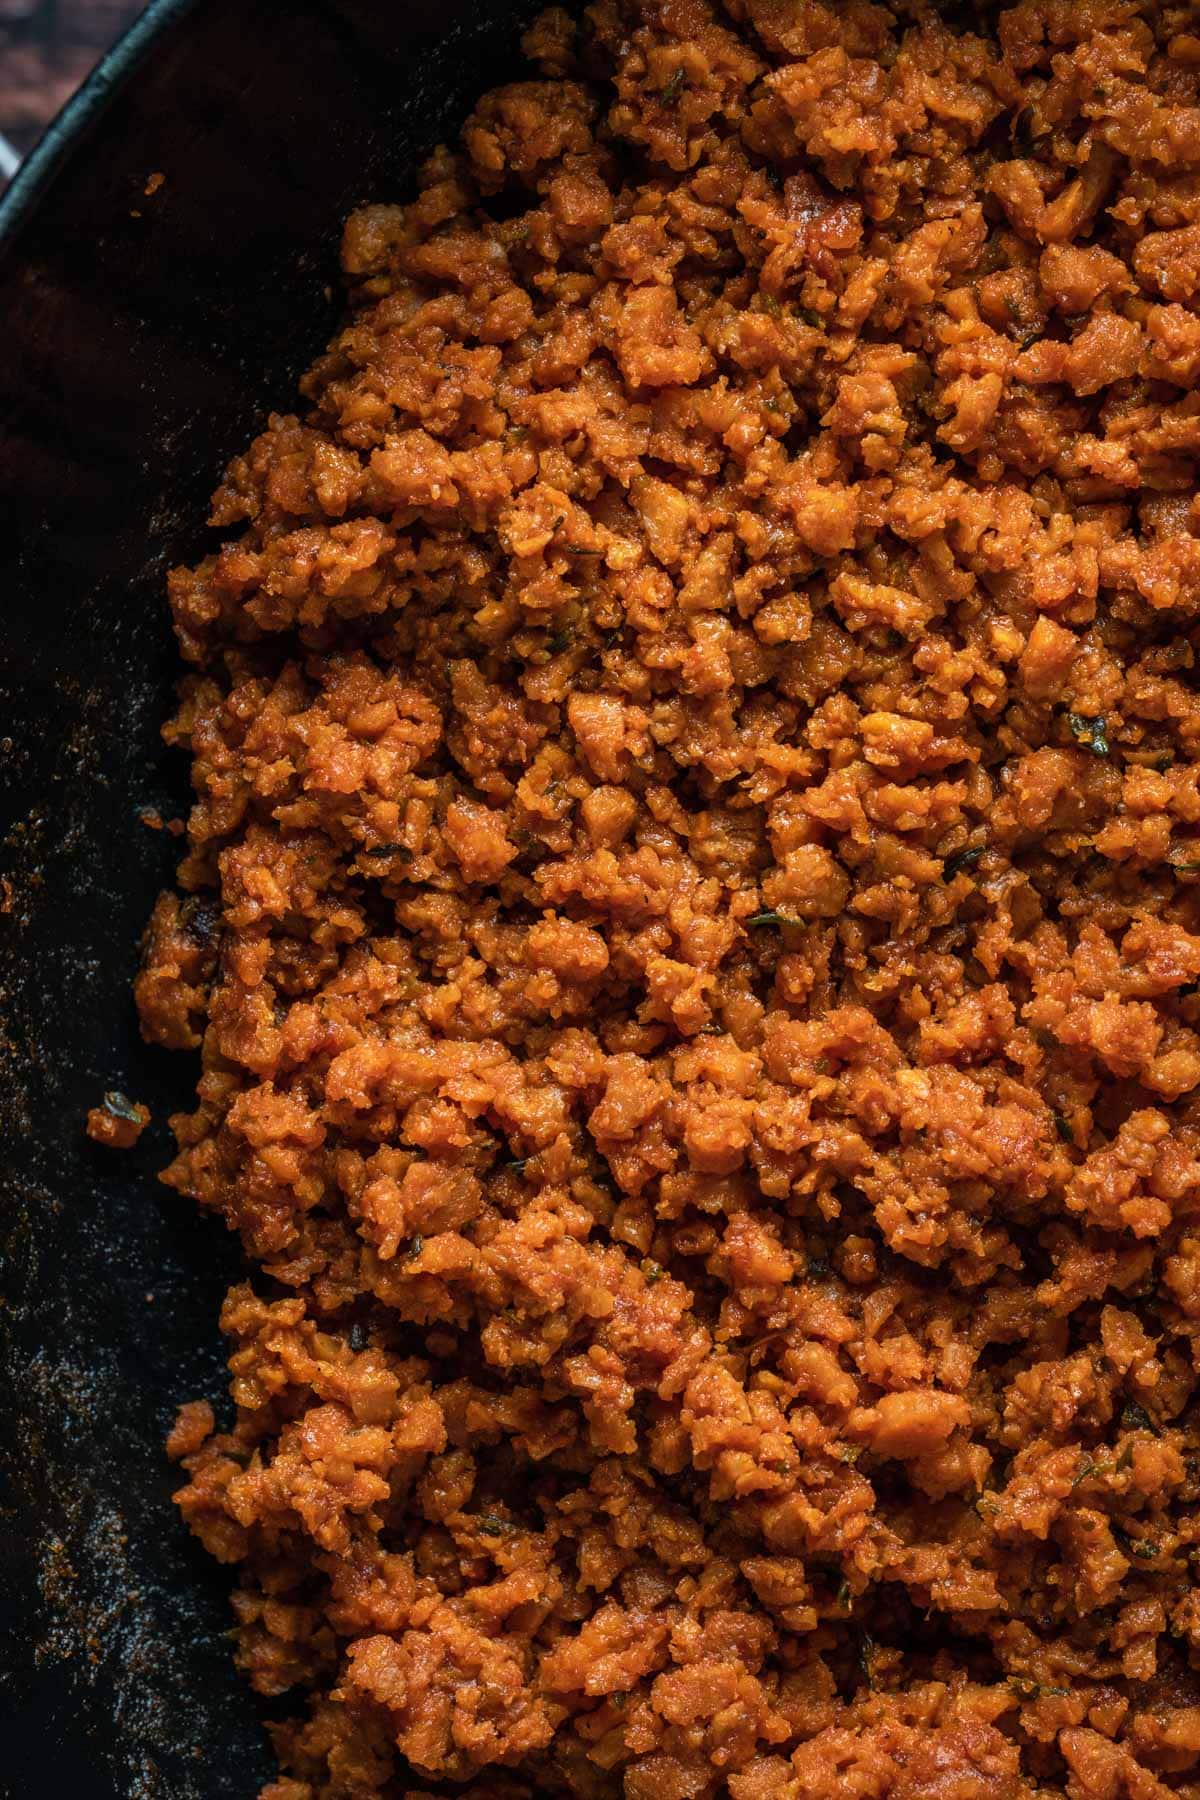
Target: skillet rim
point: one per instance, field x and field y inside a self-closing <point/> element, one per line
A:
<point x="66" y="133"/>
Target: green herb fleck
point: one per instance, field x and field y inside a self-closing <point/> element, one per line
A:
<point x="812" y="318"/>
<point x="518" y="1164"/>
<point x="674" y="86"/>
<point x="382" y="850"/>
<point x="866" y="1658"/>
<point x="1086" y="1467"/>
<point x="618" y="1700"/>
<point x="121" y="1106"/>
<point x="843" y="1597"/>
<point x="652" y="1271"/>
<point x="1093" y="733"/>
<point x="1185" y="868"/>
<point x="1145" y="1548"/>
<point x="1125" y="1459"/>
<point x="772" y="918"/>
<point x="961" y="859"/>
<point x="416" y="1245"/>
<point x="1136" y="1418"/>
<point x="561" y="641"/>
<point x="1063" y="1129"/>
<point x="849" y="1453"/>
<point x="490" y="1526"/>
<point x="1026" y="1688"/>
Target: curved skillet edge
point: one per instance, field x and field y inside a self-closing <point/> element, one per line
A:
<point x="145" y="334"/>
<point x="67" y="133"/>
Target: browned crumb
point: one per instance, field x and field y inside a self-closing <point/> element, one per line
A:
<point x="119" y="1123"/>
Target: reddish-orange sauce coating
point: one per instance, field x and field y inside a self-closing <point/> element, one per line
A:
<point x="691" y="920"/>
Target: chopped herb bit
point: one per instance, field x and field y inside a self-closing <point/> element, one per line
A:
<point x="1136" y="1418"/>
<point x="1026" y="1688"/>
<point x="491" y="1526"/>
<point x="1145" y="1548"/>
<point x="358" y="1336"/>
<point x="1093" y="733"/>
<point x="652" y="1271"/>
<point x="843" y="1597"/>
<point x="416" y="1245"/>
<point x="772" y="918"/>
<point x="618" y="1700"/>
<point x="849" y="1453"/>
<point x="674" y="86"/>
<point x="771" y="305"/>
<point x="121" y="1107"/>
<point x="517" y="1165"/>
<point x="1063" y="1129"/>
<point x="961" y="859"/>
<point x="817" y="1265"/>
<point x="1185" y="868"/>
<point x="388" y="850"/>
<point x="560" y="642"/>
<point x="1086" y="1467"/>
<point x="866" y="1658"/>
<point x="812" y="318"/>
<point x="1125" y="1459"/>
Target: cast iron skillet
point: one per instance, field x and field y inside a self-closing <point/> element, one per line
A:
<point x="144" y="335"/>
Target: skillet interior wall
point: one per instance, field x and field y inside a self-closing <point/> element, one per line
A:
<point x="145" y="334"/>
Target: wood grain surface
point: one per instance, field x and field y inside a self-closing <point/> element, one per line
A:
<point x="46" y="49"/>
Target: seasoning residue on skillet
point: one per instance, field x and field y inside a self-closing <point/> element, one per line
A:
<point x="691" y="916"/>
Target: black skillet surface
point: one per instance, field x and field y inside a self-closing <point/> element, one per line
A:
<point x="143" y="335"/>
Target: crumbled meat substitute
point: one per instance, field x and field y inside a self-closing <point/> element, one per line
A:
<point x="691" y="913"/>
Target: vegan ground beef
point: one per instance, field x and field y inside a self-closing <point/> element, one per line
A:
<point x="690" y="915"/>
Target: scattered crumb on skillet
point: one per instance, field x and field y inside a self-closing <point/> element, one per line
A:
<point x="691" y="915"/>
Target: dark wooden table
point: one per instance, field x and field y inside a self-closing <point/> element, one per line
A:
<point x="46" y="49"/>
